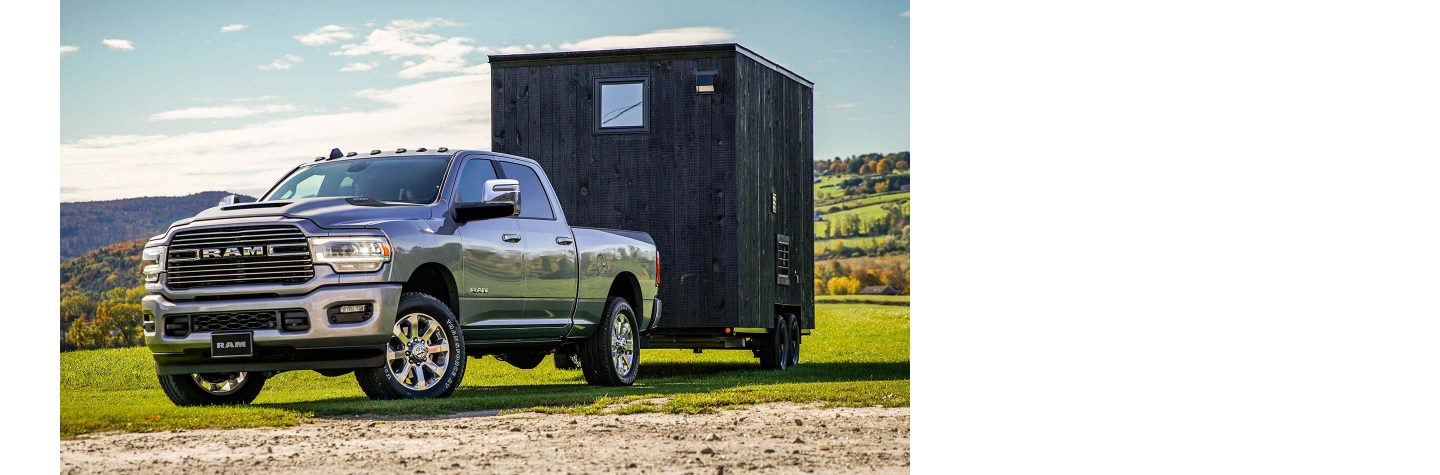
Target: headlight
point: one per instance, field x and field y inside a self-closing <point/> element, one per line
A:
<point x="152" y="261"/>
<point x="351" y="253"/>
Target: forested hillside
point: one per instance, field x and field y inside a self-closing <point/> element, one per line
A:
<point x="100" y="298"/>
<point x="862" y="223"/>
<point x="89" y="225"/>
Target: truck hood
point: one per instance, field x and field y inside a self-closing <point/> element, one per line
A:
<point x="324" y="212"/>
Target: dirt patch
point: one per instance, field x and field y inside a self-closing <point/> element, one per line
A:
<point x="770" y="438"/>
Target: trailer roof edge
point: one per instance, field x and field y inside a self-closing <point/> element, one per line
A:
<point x="506" y="60"/>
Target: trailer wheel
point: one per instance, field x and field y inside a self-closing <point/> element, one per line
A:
<point x="775" y="347"/>
<point x="612" y="356"/>
<point x="794" y="324"/>
<point x="211" y="389"/>
<point x="566" y="361"/>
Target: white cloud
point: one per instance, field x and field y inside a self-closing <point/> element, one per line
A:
<point x="325" y="35"/>
<point x="112" y="43"/>
<point x="452" y="111"/>
<point x="284" y="62"/>
<point x="672" y="37"/>
<point x="359" y="67"/>
<point x="68" y="49"/>
<point x="905" y="13"/>
<point x="220" y="112"/>
<point x="432" y="53"/>
<point x="114" y="140"/>
<point x="233" y="28"/>
<point x="845" y="105"/>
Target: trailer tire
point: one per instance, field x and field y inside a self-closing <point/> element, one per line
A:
<point x="430" y="324"/>
<point x="185" y="390"/>
<point x="612" y="356"/>
<point x="566" y="361"/>
<point x="794" y="325"/>
<point x="774" y="348"/>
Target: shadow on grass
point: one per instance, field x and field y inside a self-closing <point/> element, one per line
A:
<point x="655" y="380"/>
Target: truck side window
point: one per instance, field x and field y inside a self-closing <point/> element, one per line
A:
<point x="534" y="203"/>
<point x="472" y="180"/>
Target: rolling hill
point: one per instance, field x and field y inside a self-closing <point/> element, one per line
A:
<point x="89" y="225"/>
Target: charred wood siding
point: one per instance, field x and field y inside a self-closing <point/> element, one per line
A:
<point x="773" y="158"/>
<point x="690" y="181"/>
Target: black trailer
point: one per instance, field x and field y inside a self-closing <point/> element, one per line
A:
<point x="707" y="148"/>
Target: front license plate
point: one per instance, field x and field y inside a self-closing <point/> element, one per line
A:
<point x="227" y="345"/>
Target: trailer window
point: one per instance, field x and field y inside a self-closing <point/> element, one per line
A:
<point x="622" y="105"/>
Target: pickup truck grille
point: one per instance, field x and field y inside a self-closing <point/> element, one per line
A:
<point x="273" y="254"/>
<point x="216" y="322"/>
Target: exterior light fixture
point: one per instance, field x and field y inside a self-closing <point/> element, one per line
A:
<point x="705" y="83"/>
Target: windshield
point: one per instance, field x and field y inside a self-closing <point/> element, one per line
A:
<point x="407" y="180"/>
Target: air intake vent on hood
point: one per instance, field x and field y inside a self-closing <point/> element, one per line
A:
<point x="266" y="204"/>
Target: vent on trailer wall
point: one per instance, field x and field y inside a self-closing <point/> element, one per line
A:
<point x="782" y="259"/>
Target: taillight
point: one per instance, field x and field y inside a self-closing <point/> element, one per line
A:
<point x="657" y="267"/>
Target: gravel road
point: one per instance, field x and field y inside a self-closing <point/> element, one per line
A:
<point x="770" y="438"/>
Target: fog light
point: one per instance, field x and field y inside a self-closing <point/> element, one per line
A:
<point x="349" y="313"/>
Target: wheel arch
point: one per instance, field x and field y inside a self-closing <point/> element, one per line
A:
<point x="436" y="280"/>
<point x="627" y="286"/>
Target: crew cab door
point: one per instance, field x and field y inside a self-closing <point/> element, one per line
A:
<point x="491" y="283"/>
<point x="551" y="264"/>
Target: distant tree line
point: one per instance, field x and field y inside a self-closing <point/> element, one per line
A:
<point x="837" y="278"/>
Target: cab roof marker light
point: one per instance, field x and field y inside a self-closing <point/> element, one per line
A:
<point x="351" y="154"/>
<point x="399" y="150"/>
<point x="442" y="150"/>
<point x="375" y="152"/>
<point x="421" y="149"/>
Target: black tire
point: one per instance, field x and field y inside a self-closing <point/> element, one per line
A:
<point x="775" y="348"/>
<point x="383" y="383"/>
<point x="599" y="356"/>
<point x="185" y="390"/>
<point x="793" y="324"/>
<point x="566" y="361"/>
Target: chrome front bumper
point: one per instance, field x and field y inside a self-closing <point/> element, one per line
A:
<point x="275" y="345"/>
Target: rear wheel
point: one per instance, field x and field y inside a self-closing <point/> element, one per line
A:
<point x="211" y="389"/>
<point x="425" y="357"/>
<point x="612" y="356"/>
<point x="794" y="325"/>
<point x="774" y="347"/>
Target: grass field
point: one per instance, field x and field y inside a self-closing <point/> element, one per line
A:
<point x="859" y="356"/>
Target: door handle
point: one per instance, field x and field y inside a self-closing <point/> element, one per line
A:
<point x="510" y="237"/>
<point x="564" y="240"/>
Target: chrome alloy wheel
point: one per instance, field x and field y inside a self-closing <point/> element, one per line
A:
<point x="418" y="354"/>
<point x="622" y="344"/>
<point x="221" y="384"/>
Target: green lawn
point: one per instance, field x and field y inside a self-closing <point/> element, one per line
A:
<point x="859" y="356"/>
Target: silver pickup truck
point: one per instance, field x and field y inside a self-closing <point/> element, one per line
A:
<point x="394" y="266"/>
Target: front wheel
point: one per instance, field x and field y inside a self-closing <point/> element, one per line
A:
<point x="425" y="356"/>
<point x="612" y="356"/>
<point x="210" y="389"/>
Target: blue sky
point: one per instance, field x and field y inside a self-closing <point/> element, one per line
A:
<point x="164" y="98"/>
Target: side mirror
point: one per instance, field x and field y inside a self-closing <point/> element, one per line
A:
<point x="232" y="199"/>
<point x="501" y="200"/>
